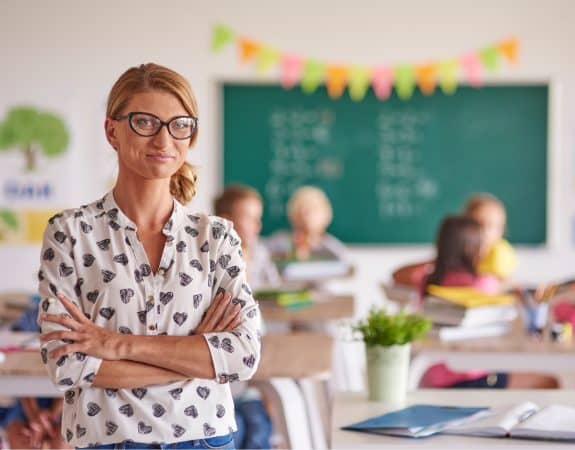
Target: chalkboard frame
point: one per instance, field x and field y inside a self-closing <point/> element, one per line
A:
<point x="557" y="225"/>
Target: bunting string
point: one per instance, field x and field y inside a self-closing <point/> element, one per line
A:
<point x="311" y="73"/>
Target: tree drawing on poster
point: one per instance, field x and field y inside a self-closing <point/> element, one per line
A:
<point x="31" y="131"/>
<point x="27" y="194"/>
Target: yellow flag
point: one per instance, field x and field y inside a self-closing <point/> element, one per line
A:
<point x="266" y="58"/>
<point x="447" y="74"/>
<point x="359" y="79"/>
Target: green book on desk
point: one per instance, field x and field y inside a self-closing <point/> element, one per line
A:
<point x="290" y="298"/>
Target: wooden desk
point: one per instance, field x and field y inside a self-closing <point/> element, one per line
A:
<point x="325" y="307"/>
<point x="295" y="355"/>
<point x="350" y="408"/>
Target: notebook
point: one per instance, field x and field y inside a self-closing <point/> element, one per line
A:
<point x="416" y="421"/>
<point x="525" y="420"/>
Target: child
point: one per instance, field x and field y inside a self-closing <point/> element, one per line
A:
<point x="243" y="206"/>
<point x="309" y="213"/>
<point x="459" y="247"/>
<point x="497" y="257"/>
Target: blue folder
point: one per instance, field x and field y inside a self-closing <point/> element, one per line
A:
<point x="416" y="420"/>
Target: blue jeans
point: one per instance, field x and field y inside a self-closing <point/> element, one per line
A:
<point x="254" y="425"/>
<point x="225" y="442"/>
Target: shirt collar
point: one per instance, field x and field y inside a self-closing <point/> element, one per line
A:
<point x="111" y="209"/>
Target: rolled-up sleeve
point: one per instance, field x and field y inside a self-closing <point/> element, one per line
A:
<point x="58" y="273"/>
<point x="235" y="354"/>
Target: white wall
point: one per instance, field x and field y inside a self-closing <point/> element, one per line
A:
<point x="70" y="52"/>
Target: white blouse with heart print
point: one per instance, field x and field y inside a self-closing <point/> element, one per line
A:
<point x="93" y="255"/>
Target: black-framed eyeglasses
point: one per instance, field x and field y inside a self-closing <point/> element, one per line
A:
<point x="147" y="124"/>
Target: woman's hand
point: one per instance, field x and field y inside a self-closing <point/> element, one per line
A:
<point x="83" y="335"/>
<point x="222" y="315"/>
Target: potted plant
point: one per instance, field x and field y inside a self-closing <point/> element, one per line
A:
<point x="387" y="340"/>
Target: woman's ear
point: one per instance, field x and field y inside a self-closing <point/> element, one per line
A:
<point x="110" y="129"/>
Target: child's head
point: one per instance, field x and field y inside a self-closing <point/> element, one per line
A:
<point x="309" y="210"/>
<point x="458" y="246"/>
<point x="489" y="212"/>
<point x="243" y="206"/>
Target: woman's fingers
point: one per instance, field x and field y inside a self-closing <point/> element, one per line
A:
<point x="66" y="350"/>
<point x="74" y="311"/>
<point x="61" y="319"/>
<point x="61" y="336"/>
<point x="213" y="317"/>
<point x="230" y="315"/>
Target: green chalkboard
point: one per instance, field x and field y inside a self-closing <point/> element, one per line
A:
<point x="394" y="168"/>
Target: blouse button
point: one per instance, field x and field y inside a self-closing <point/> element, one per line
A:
<point x="152" y="327"/>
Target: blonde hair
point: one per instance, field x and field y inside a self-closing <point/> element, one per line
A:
<point x="233" y="194"/>
<point x="309" y="194"/>
<point x="153" y="77"/>
<point x="476" y="201"/>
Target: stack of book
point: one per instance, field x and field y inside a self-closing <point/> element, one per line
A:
<point x="285" y="297"/>
<point x="465" y="313"/>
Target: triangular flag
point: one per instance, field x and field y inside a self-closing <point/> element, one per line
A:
<point x="404" y="81"/>
<point x="291" y="67"/>
<point x="359" y="78"/>
<point x="509" y="49"/>
<point x="489" y="57"/>
<point x="426" y="78"/>
<point x="248" y="49"/>
<point x="267" y="57"/>
<point x="382" y="81"/>
<point x="336" y="78"/>
<point x="472" y="69"/>
<point x="447" y="74"/>
<point x="312" y="76"/>
<point x="221" y="36"/>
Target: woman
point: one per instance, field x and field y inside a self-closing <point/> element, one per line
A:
<point x="154" y="317"/>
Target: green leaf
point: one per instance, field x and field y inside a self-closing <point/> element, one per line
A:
<point x="9" y="219"/>
<point x="381" y="328"/>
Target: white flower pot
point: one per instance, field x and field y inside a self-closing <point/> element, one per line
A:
<point x="387" y="372"/>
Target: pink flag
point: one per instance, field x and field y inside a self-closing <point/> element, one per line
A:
<point x="291" y="68"/>
<point x="382" y="82"/>
<point x="471" y="65"/>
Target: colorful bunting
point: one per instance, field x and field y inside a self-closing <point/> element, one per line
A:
<point x="471" y="66"/>
<point x="489" y="57"/>
<point x="312" y="76"/>
<point x="426" y="78"/>
<point x="447" y="73"/>
<point x="382" y="82"/>
<point x="336" y="79"/>
<point x="221" y="37"/>
<point x="290" y="70"/>
<point x="404" y="81"/>
<point x="510" y="50"/>
<point x="248" y="49"/>
<point x="311" y="73"/>
<point x="359" y="78"/>
<point x="266" y="59"/>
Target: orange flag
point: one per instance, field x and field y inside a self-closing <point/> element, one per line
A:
<point x="509" y="49"/>
<point x="248" y="49"/>
<point x="426" y="78"/>
<point x="336" y="78"/>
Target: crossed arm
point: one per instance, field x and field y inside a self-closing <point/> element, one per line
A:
<point x="130" y="361"/>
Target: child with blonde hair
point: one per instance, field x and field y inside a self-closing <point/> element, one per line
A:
<point x="310" y="214"/>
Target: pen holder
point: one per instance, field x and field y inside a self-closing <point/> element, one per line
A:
<point x="536" y="317"/>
